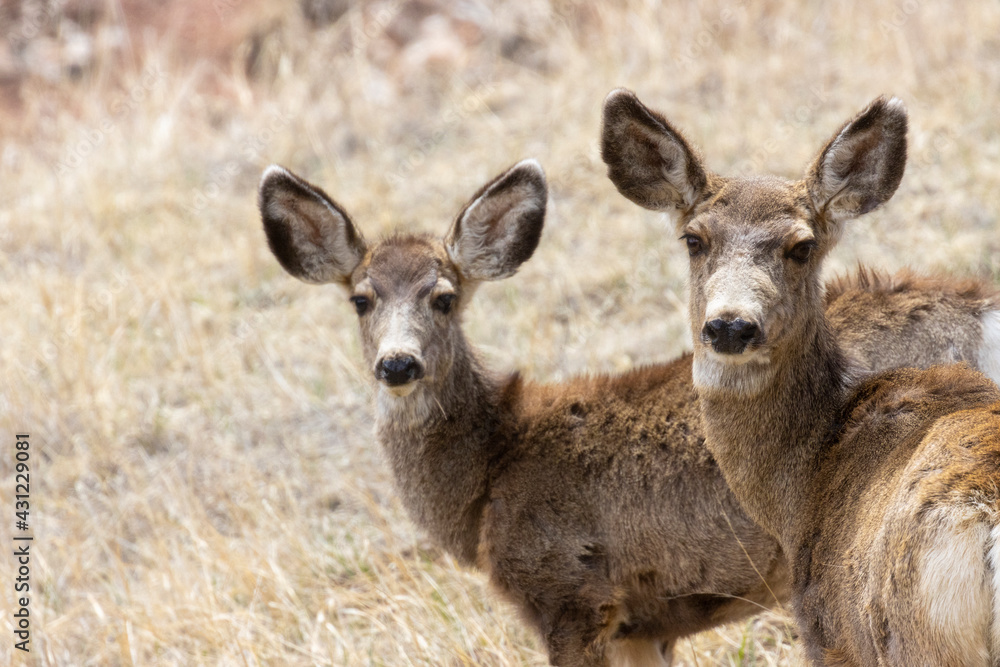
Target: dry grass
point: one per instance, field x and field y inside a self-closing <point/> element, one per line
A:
<point x="206" y="489"/>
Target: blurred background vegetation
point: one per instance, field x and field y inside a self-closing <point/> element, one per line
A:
<point x="205" y="485"/>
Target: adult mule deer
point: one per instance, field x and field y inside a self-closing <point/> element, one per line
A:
<point x="882" y="489"/>
<point x="593" y="504"/>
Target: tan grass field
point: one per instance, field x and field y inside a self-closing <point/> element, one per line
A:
<point x="205" y="488"/>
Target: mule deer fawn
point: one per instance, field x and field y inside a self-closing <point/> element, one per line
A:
<point x="881" y="489"/>
<point x="592" y="504"/>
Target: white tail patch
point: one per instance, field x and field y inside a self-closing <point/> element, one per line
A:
<point x="994" y="561"/>
<point x="957" y="589"/>
<point x="989" y="348"/>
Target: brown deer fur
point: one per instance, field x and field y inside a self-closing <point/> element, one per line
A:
<point x="592" y="504"/>
<point x="882" y="489"/>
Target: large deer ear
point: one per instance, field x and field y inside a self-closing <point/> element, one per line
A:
<point x="862" y="165"/>
<point x="648" y="160"/>
<point x="499" y="229"/>
<point x="311" y="236"/>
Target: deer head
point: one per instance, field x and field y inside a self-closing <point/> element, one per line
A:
<point x="755" y="244"/>
<point x="408" y="291"/>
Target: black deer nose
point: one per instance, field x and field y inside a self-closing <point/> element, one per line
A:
<point x="399" y="370"/>
<point x="730" y="337"/>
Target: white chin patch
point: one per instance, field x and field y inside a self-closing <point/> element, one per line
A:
<point x="403" y="405"/>
<point x="989" y="349"/>
<point x="749" y="357"/>
<point x="745" y="374"/>
<point x="401" y="390"/>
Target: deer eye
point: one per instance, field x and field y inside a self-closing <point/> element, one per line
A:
<point x="361" y="304"/>
<point x="801" y="252"/>
<point x="444" y="302"/>
<point x="694" y="244"/>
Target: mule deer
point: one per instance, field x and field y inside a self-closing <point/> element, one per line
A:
<point x="592" y="504"/>
<point x="881" y="489"/>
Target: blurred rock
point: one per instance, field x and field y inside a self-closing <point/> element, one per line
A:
<point x="427" y="38"/>
<point x="53" y="39"/>
<point x="10" y="66"/>
<point x="524" y="51"/>
<point x="322" y="13"/>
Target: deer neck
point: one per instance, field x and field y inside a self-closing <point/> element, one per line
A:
<point x="768" y="439"/>
<point x="440" y="441"/>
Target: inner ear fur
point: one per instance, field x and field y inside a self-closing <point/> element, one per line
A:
<point x="860" y="168"/>
<point x="499" y="229"/>
<point x="648" y="160"/>
<point x="311" y="236"/>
